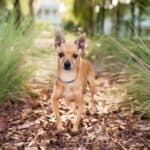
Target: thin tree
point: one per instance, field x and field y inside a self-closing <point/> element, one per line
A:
<point x="142" y="7"/>
<point x="102" y="16"/>
<point x="117" y="24"/>
<point x="140" y="19"/>
<point x="90" y="17"/>
<point x="132" y="6"/>
<point x="31" y="7"/>
<point x="17" y="12"/>
<point x="2" y="4"/>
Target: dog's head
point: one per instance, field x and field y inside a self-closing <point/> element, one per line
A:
<point x="68" y="54"/>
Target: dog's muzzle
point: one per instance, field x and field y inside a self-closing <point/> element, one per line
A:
<point x="67" y="65"/>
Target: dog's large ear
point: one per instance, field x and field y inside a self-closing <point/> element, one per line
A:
<point x="80" y="42"/>
<point x="59" y="39"/>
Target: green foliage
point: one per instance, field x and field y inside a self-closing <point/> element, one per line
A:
<point x="70" y="26"/>
<point x="84" y="13"/>
<point x="129" y="56"/>
<point x="13" y="69"/>
<point x="124" y="16"/>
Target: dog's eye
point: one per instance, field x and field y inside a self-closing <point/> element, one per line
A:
<point x="75" y="55"/>
<point x="61" y="54"/>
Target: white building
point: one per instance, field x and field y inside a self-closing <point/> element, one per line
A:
<point x="48" y="11"/>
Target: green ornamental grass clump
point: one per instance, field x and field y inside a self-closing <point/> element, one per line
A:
<point x="13" y="46"/>
<point x="133" y="57"/>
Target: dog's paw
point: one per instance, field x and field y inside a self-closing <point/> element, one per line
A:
<point x="75" y="130"/>
<point x="93" y="111"/>
<point x="60" y="128"/>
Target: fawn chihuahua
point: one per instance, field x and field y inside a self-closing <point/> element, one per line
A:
<point x="73" y="75"/>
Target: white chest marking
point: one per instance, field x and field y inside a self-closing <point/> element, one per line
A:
<point x="68" y="92"/>
<point x="67" y="75"/>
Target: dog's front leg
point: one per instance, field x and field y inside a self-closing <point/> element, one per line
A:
<point x="56" y="111"/>
<point x="79" y="114"/>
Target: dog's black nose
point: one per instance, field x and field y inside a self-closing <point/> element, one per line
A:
<point x="67" y="65"/>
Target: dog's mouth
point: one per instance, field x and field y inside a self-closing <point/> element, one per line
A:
<point x="67" y="68"/>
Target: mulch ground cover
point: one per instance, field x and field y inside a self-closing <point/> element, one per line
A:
<point x="30" y="125"/>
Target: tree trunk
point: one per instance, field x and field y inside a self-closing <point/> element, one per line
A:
<point x="139" y="20"/>
<point x="102" y="16"/>
<point x="132" y="19"/>
<point x="117" y="26"/>
<point x="17" y="12"/>
<point x="31" y="7"/>
<point x="90" y="16"/>
<point x="98" y="21"/>
<point x="2" y="4"/>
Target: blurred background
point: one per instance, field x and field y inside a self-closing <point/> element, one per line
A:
<point x="118" y="41"/>
<point x="120" y="18"/>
